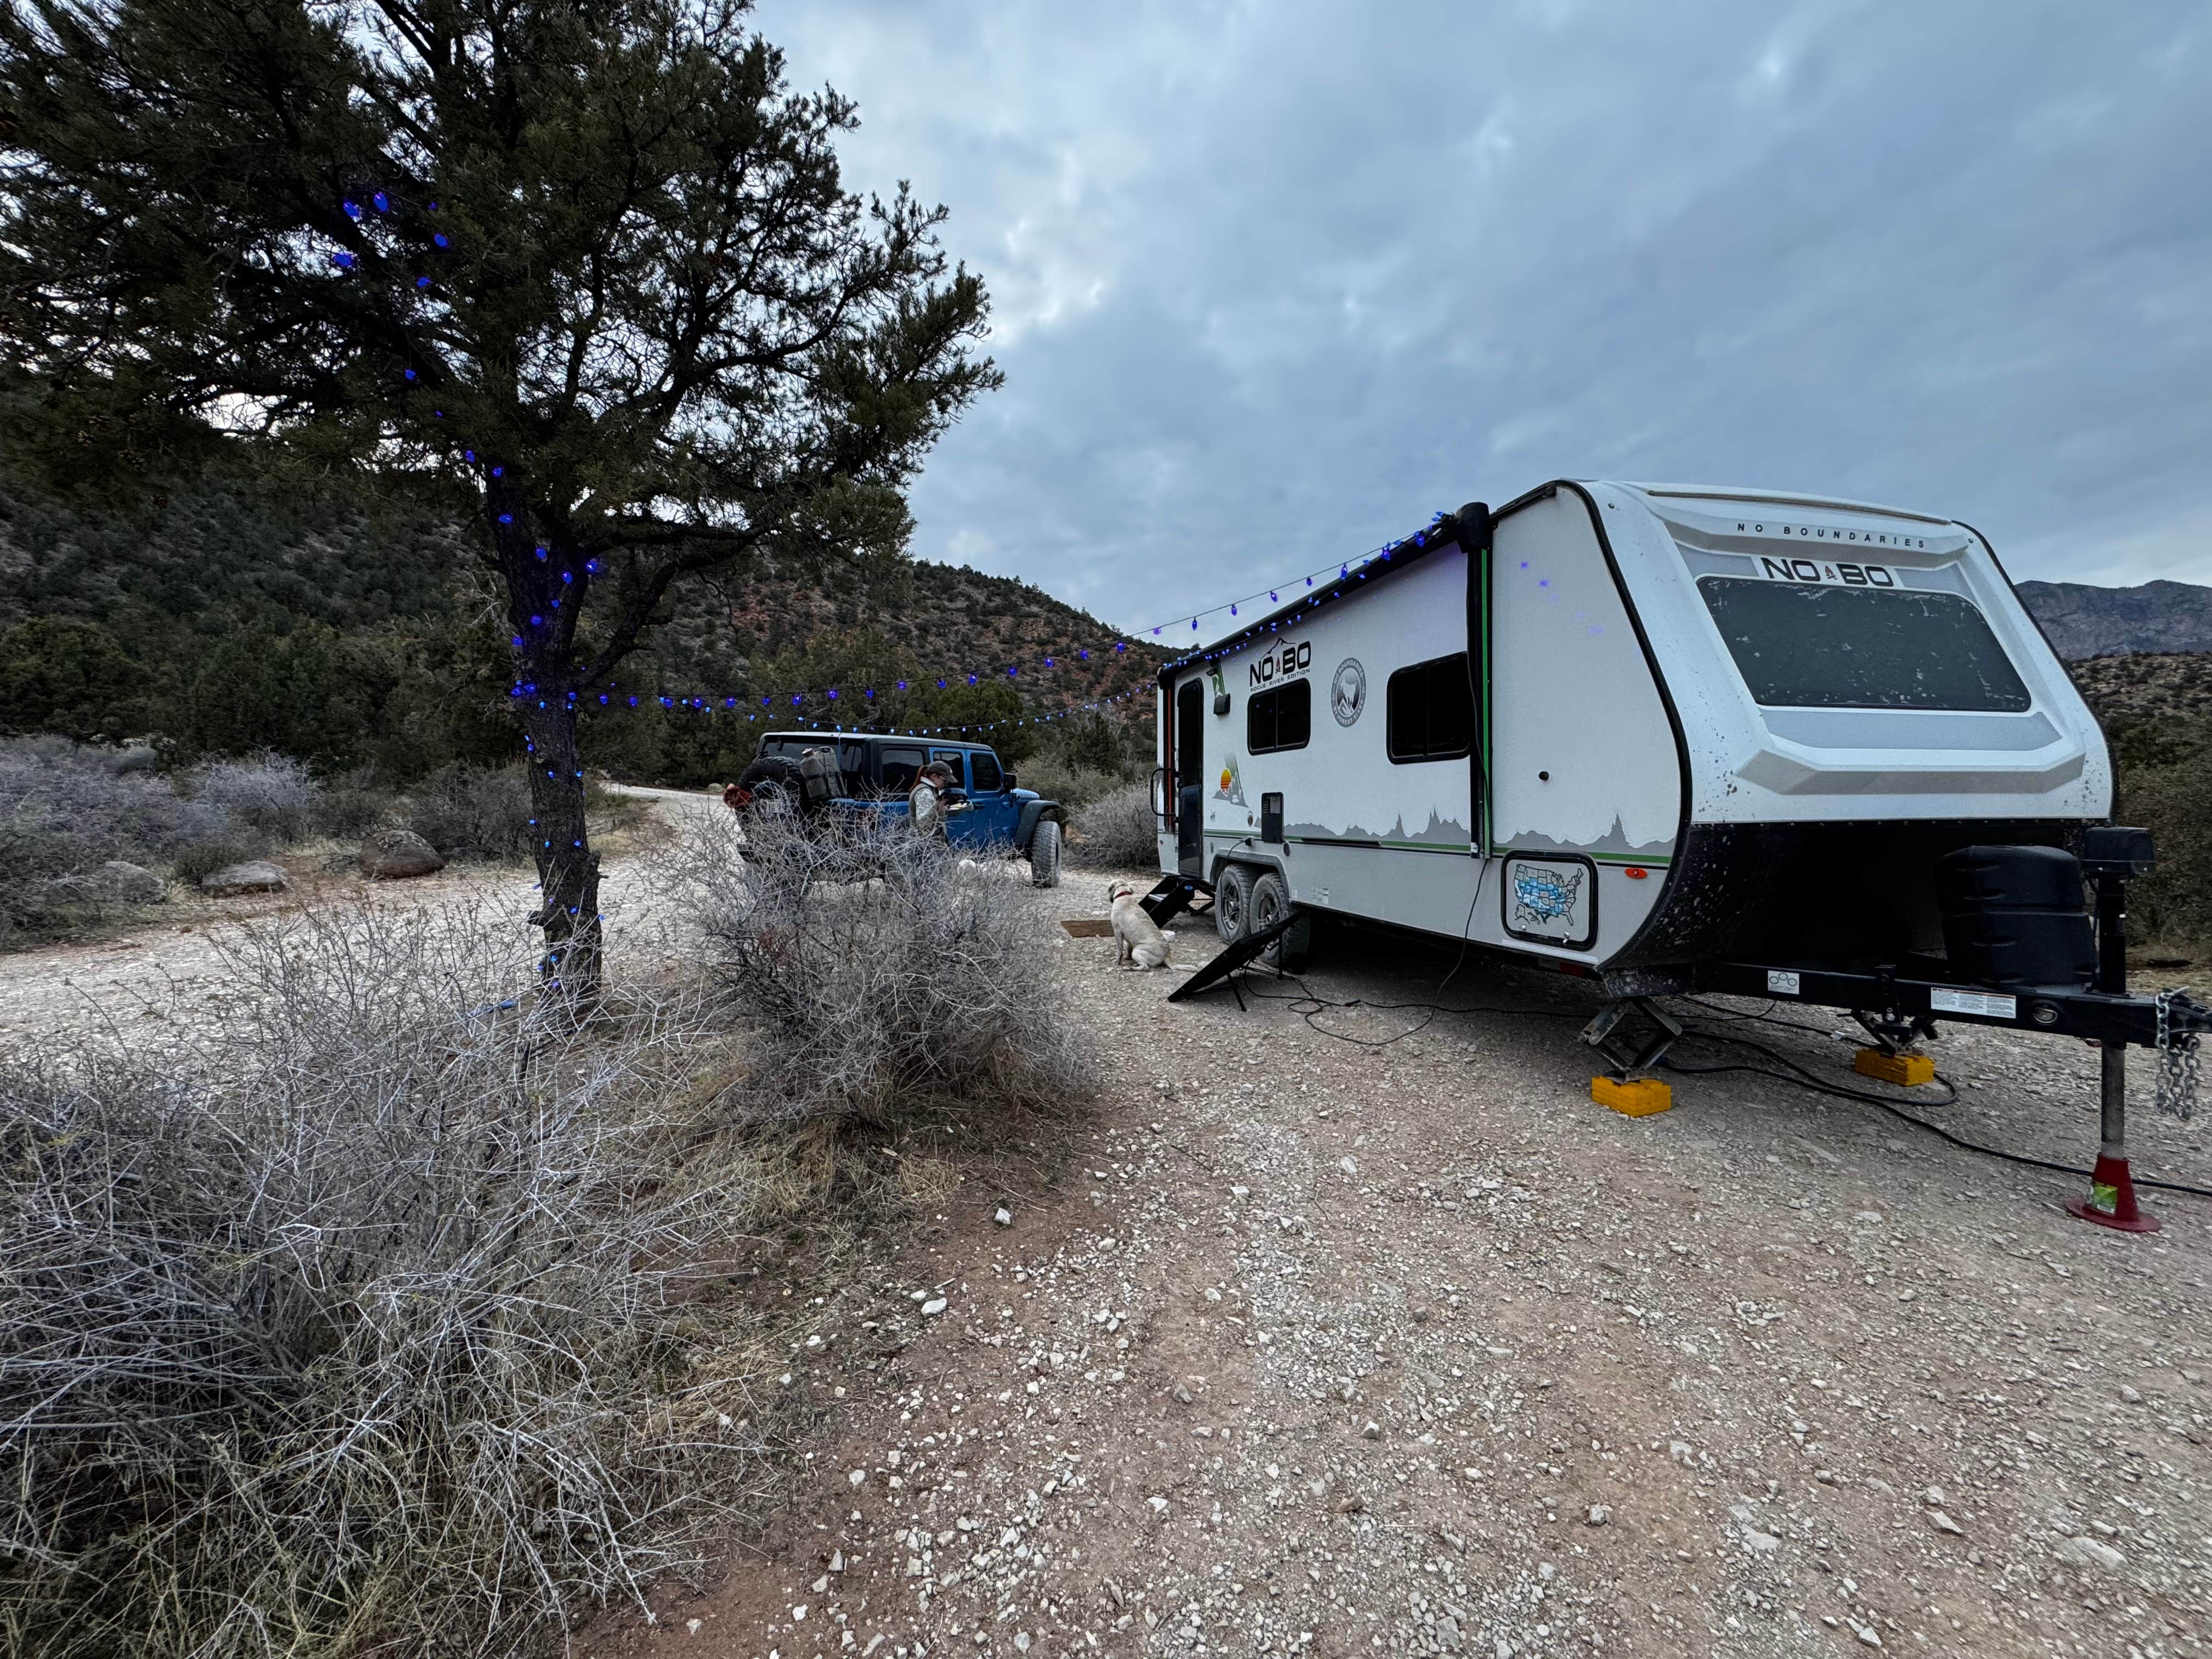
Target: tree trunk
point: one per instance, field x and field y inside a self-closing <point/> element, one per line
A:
<point x="568" y="869"/>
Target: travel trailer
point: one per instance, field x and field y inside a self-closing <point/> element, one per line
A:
<point x="1676" y="739"/>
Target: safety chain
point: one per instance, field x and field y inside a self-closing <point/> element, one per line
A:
<point x="2177" y="1063"/>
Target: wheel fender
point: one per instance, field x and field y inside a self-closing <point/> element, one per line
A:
<point x="1035" y="812"/>
<point x="1254" y="861"/>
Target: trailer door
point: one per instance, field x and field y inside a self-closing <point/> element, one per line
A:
<point x="1189" y="775"/>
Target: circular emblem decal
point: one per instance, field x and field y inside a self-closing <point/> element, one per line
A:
<point x="1348" y="692"/>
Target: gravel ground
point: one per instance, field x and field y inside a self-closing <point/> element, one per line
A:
<point x="1326" y="1348"/>
<point x="1331" y="1349"/>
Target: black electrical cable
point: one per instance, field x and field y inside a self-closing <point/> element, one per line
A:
<point x="1310" y="1007"/>
<point x="1804" y="1079"/>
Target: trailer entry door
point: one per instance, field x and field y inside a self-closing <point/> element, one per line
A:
<point x="1803" y="645"/>
<point x="1189" y="777"/>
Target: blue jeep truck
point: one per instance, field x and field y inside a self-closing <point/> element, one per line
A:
<point x="878" y="771"/>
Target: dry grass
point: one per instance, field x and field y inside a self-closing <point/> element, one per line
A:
<point x="365" y="1322"/>
<point x="385" y="1313"/>
<point x="1117" y="831"/>
<point x="882" y="977"/>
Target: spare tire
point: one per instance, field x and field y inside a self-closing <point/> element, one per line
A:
<point x="768" y="776"/>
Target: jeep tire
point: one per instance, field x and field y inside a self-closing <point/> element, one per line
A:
<point x="1044" y="853"/>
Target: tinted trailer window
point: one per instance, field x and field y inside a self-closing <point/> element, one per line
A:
<point x="1799" y="645"/>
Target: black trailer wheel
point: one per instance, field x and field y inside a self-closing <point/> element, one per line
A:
<point x="1232" y="903"/>
<point x="1271" y="898"/>
<point x="1044" y="853"/>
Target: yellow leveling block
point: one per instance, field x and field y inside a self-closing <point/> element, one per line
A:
<point x="1637" y="1098"/>
<point x="1909" y="1070"/>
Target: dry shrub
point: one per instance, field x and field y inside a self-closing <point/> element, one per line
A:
<point x="67" y="808"/>
<point x="348" y="1324"/>
<point x="884" y="978"/>
<point x="1117" y="831"/>
<point x="272" y="793"/>
<point x="472" y="812"/>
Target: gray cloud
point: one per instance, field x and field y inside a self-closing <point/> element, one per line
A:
<point x="1274" y="282"/>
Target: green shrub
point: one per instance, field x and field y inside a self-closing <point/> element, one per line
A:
<point x="70" y="678"/>
<point x="2165" y="784"/>
<point x="195" y="862"/>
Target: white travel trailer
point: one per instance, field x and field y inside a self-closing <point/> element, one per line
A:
<point x="1676" y="738"/>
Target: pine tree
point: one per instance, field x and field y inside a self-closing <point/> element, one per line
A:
<point x="589" y="268"/>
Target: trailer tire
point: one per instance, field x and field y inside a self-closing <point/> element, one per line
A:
<point x="1232" y="903"/>
<point x="1044" y="853"/>
<point x="1271" y="897"/>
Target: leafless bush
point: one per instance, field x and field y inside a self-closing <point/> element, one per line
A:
<point x="1117" y="831"/>
<point x="885" y="978"/>
<point x="352" y="804"/>
<point x="272" y="793"/>
<point x="472" y="812"/>
<point x="346" y="1324"/>
<point x="65" y="808"/>
<point x="1072" y="786"/>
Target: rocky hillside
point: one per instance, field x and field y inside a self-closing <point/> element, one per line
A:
<point x="2085" y="621"/>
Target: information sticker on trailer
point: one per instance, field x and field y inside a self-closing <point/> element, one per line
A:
<point x="1783" y="981"/>
<point x="1985" y="1004"/>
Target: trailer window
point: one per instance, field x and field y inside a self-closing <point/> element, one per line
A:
<point x="1280" y="719"/>
<point x="1801" y="645"/>
<point x="1430" y="710"/>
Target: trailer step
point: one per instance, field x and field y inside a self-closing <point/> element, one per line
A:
<point x="1169" y="899"/>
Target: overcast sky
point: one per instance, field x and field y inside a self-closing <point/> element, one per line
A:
<point x="1274" y="281"/>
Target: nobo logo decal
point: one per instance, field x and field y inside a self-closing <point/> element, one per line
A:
<point x="1293" y="658"/>
<point x="1832" y="573"/>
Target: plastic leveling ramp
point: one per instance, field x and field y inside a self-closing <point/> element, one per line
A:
<point x="1633" y="1096"/>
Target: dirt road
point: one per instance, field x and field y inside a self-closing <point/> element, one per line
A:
<point x="1335" y="1349"/>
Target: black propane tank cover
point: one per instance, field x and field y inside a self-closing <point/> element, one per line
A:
<point x="2015" y="917"/>
<point x="1271" y="818"/>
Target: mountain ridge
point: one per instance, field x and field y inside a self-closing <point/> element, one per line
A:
<point x="2084" y="620"/>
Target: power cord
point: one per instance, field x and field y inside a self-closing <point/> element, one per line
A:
<point x="1804" y="1079"/>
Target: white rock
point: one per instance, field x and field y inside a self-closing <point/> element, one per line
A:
<point x="1867" y="1634"/>
<point x="857" y="1476"/>
<point x="255" y="876"/>
<point x="1599" y="1513"/>
<point x="822" y="1585"/>
<point x="2133" y="1396"/>
<point x="1160" y="1505"/>
<point x="1372" y="1431"/>
<point x="691" y="1625"/>
<point x="2091" y="1552"/>
<point x="1003" y="1216"/>
<point x="836" y="1560"/>
<point x="799" y="1613"/>
<point x="1943" y="1523"/>
<point x="1761" y="1543"/>
<point x="1347" y="1166"/>
<point x="1933" y="1497"/>
<point x="933" y="1306"/>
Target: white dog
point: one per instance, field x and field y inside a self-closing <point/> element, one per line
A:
<point x="1137" y="937"/>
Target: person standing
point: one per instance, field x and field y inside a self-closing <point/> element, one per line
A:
<point x="925" y="804"/>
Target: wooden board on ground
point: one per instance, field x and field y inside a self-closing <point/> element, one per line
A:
<point x="1089" y="927"/>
